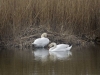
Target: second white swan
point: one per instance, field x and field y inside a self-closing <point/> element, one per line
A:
<point x="60" y="47"/>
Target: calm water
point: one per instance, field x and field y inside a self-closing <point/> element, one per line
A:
<point x="78" y="61"/>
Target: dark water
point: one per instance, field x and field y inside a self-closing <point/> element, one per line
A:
<point x="78" y="61"/>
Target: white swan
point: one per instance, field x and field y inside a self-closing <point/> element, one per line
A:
<point x="59" y="47"/>
<point x="41" y="42"/>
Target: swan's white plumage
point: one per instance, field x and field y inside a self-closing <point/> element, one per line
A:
<point x="41" y="42"/>
<point x="60" y="47"/>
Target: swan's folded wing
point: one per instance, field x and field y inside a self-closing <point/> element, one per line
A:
<point x="41" y="41"/>
<point x="62" y="46"/>
<point x="45" y="41"/>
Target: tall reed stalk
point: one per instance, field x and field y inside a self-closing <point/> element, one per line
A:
<point x="72" y="16"/>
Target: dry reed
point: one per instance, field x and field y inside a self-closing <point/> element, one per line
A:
<point x="76" y="17"/>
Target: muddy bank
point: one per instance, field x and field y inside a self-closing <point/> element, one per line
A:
<point x="29" y="35"/>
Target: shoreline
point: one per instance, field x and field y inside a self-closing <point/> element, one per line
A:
<point x="26" y="42"/>
<point x="27" y="37"/>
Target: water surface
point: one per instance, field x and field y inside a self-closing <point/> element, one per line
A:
<point x="78" y="61"/>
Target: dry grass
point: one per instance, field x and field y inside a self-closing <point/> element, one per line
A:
<point x="76" y="17"/>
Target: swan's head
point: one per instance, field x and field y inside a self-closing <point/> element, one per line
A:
<point x="53" y="44"/>
<point x="44" y="35"/>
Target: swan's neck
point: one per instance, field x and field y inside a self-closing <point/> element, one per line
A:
<point x="51" y="49"/>
<point x="42" y="36"/>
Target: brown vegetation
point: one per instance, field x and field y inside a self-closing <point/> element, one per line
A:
<point x="68" y="17"/>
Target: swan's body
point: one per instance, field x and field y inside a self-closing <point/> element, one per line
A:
<point x="41" y="42"/>
<point x="59" y="47"/>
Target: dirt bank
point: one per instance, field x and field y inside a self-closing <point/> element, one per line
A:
<point x="30" y="34"/>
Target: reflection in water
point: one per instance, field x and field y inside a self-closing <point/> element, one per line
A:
<point x="41" y="54"/>
<point x="60" y="55"/>
<point x="80" y="61"/>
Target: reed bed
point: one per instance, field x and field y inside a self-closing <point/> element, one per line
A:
<point x="73" y="17"/>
